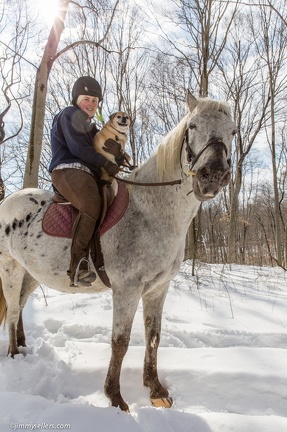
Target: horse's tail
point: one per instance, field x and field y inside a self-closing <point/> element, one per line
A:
<point x="3" y="306"/>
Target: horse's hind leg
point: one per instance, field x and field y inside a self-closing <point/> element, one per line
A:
<point x="152" y="307"/>
<point x="21" y="338"/>
<point x="29" y="285"/>
<point x="12" y="275"/>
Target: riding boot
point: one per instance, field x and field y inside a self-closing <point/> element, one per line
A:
<point x="79" y="272"/>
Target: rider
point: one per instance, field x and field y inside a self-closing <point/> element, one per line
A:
<point x="76" y="167"/>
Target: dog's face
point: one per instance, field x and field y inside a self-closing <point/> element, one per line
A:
<point x="120" y="121"/>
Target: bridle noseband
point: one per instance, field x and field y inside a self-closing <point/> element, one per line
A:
<point x="193" y="159"/>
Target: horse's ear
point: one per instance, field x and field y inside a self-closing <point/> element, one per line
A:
<point x="191" y="100"/>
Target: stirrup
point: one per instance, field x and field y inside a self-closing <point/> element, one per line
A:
<point x="85" y="280"/>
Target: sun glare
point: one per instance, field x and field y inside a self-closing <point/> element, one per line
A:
<point x="47" y="10"/>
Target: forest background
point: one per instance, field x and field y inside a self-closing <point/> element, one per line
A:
<point x="146" y="54"/>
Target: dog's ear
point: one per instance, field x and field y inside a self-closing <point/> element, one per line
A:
<point x="112" y="116"/>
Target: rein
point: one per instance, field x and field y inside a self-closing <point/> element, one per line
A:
<point x="191" y="159"/>
<point x="170" y="183"/>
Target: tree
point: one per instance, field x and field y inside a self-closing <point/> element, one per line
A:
<point x="202" y="30"/>
<point x="14" y="29"/>
<point x="273" y="52"/>
<point x="50" y="55"/>
<point x="128" y="69"/>
<point x="200" y="50"/>
<point x="244" y="84"/>
<point x="40" y="93"/>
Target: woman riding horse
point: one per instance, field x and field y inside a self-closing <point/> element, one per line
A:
<point x="75" y="170"/>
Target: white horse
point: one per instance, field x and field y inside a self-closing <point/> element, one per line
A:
<point x="142" y="253"/>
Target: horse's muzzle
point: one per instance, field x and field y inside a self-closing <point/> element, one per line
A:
<point x="209" y="180"/>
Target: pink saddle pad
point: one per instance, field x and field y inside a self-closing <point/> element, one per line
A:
<point x="57" y="220"/>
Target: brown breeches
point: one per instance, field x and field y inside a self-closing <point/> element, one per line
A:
<point x="80" y="189"/>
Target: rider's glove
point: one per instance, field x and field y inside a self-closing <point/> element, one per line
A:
<point x="114" y="148"/>
<point x="111" y="168"/>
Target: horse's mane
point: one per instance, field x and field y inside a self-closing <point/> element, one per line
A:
<point x="168" y="152"/>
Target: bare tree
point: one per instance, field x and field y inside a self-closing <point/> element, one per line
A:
<point x="244" y="84"/>
<point x="204" y="26"/>
<point x="50" y="55"/>
<point x="279" y="9"/>
<point x="40" y="92"/>
<point x="128" y="69"/>
<point x="14" y="24"/>
<point x="200" y="50"/>
<point x="14" y="30"/>
<point x="273" y="51"/>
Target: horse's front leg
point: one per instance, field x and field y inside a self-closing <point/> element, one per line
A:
<point x="152" y="307"/>
<point x="124" y="307"/>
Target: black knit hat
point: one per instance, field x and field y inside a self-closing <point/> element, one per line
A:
<point x="86" y="86"/>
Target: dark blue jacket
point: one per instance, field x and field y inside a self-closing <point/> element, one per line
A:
<point x="72" y="140"/>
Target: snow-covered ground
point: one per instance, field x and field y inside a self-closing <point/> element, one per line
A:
<point x="223" y="356"/>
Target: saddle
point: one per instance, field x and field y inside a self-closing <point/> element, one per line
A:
<point x="60" y="215"/>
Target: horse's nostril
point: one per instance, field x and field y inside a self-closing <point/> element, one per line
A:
<point x="204" y="174"/>
<point x="225" y="178"/>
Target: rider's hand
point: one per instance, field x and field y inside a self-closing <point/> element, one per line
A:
<point x="111" y="168"/>
<point x="114" y="148"/>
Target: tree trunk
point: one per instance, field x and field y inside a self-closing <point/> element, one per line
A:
<point x="40" y="93"/>
<point x="275" y="187"/>
<point x="232" y="246"/>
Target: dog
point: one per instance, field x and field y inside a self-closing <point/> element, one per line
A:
<point x="116" y="128"/>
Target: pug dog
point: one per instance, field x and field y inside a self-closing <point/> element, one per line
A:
<point x="116" y="129"/>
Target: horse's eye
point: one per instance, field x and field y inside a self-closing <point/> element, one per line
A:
<point x="229" y="161"/>
<point x="192" y="126"/>
<point x="234" y="132"/>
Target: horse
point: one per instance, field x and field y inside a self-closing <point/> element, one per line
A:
<point x="142" y="252"/>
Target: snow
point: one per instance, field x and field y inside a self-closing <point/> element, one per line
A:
<point x="222" y="356"/>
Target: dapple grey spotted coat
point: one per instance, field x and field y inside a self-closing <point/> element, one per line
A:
<point x="143" y="252"/>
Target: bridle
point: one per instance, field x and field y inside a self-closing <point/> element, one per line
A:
<point x="190" y="158"/>
<point x="193" y="159"/>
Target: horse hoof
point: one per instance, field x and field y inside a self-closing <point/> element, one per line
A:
<point x="165" y="402"/>
<point x="12" y="353"/>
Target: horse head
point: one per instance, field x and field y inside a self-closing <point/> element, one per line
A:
<point x="208" y="137"/>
